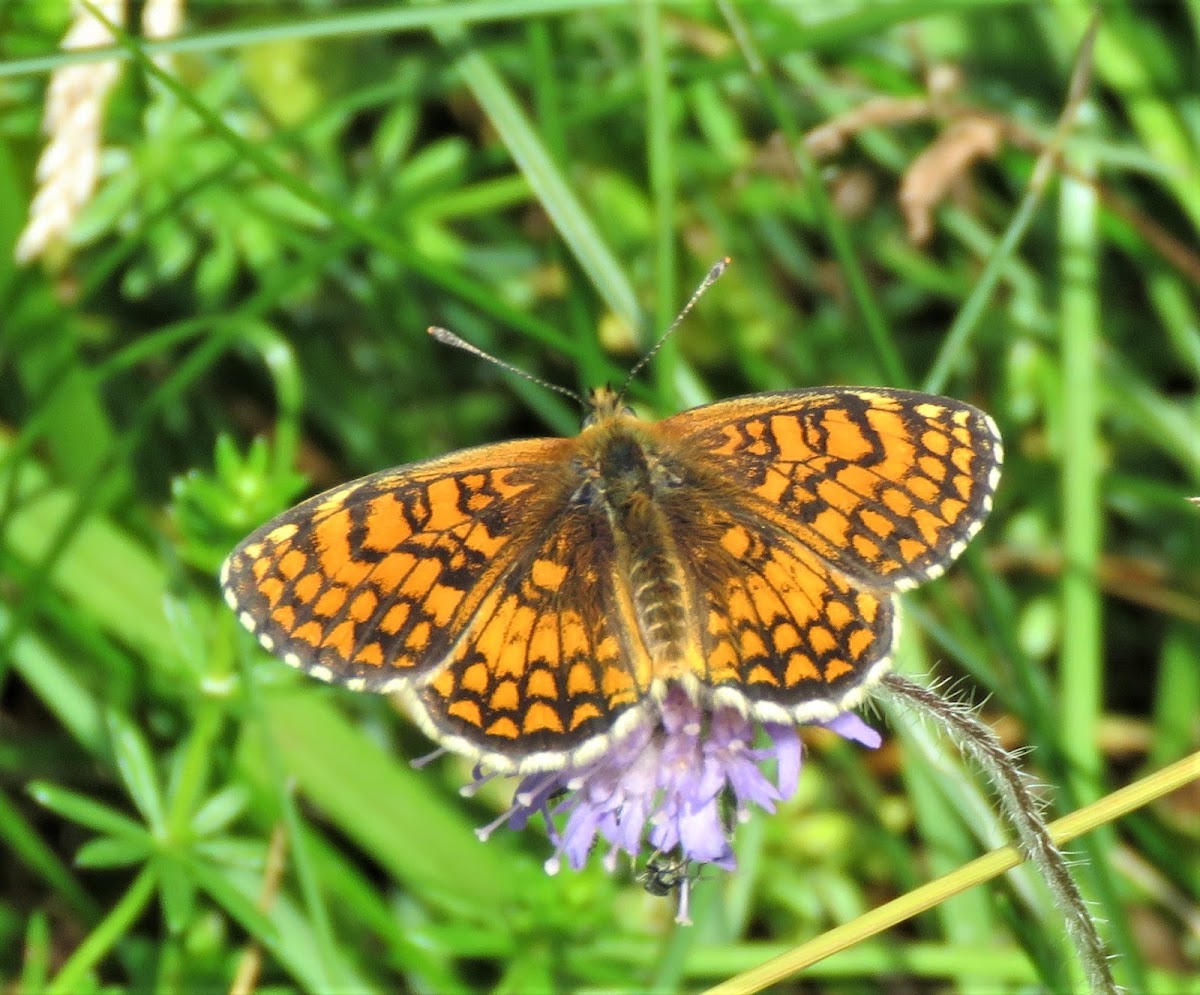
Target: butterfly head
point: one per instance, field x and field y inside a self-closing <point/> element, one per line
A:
<point x="604" y="403"/>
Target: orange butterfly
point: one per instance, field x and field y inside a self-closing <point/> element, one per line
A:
<point x="531" y="601"/>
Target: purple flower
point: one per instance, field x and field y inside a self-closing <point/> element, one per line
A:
<point x="671" y="787"/>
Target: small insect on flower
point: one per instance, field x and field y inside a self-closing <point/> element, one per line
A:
<point x="664" y="872"/>
<point x="640" y="616"/>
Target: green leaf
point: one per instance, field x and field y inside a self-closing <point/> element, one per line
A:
<point x="137" y="770"/>
<point x="110" y="851"/>
<point x="79" y="808"/>
<point x="381" y="803"/>
<point x="232" y="851"/>
<point x="178" y="892"/>
<point x="233" y="900"/>
<point x="546" y="180"/>
<point x="220" y="810"/>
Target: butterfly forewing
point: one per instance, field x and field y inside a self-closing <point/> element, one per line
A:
<point x="376" y="580"/>
<point x="885" y="486"/>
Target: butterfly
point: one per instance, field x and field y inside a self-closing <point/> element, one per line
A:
<point x="531" y="601"/>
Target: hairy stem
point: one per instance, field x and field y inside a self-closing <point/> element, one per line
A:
<point x="979" y="742"/>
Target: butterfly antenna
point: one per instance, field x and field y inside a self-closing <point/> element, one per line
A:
<point x="447" y="337"/>
<point x="710" y="278"/>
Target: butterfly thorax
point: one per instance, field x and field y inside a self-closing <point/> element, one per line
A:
<point x="625" y="478"/>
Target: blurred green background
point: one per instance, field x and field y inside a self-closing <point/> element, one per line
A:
<point x="237" y="318"/>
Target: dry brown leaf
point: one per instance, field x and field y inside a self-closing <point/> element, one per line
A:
<point x="929" y="178"/>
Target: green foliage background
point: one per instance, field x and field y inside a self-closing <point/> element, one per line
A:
<point x="242" y="321"/>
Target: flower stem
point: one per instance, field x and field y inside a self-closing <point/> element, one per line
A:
<point x="977" y="740"/>
<point x="114" y="926"/>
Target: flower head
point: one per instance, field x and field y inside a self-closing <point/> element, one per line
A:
<point x="670" y="786"/>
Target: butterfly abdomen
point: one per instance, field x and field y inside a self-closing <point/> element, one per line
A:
<point x="628" y="474"/>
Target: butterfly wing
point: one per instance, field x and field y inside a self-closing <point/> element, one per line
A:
<point x="777" y="630"/>
<point x="799" y="514"/>
<point x="885" y="486"/>
<point x="550" y="668"/>
<point x="372" y="583"/>
<point x="472" y="584"/>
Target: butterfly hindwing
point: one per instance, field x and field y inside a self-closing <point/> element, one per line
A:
<point x="779" y="631"/>
<point x="551" y="661"/>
